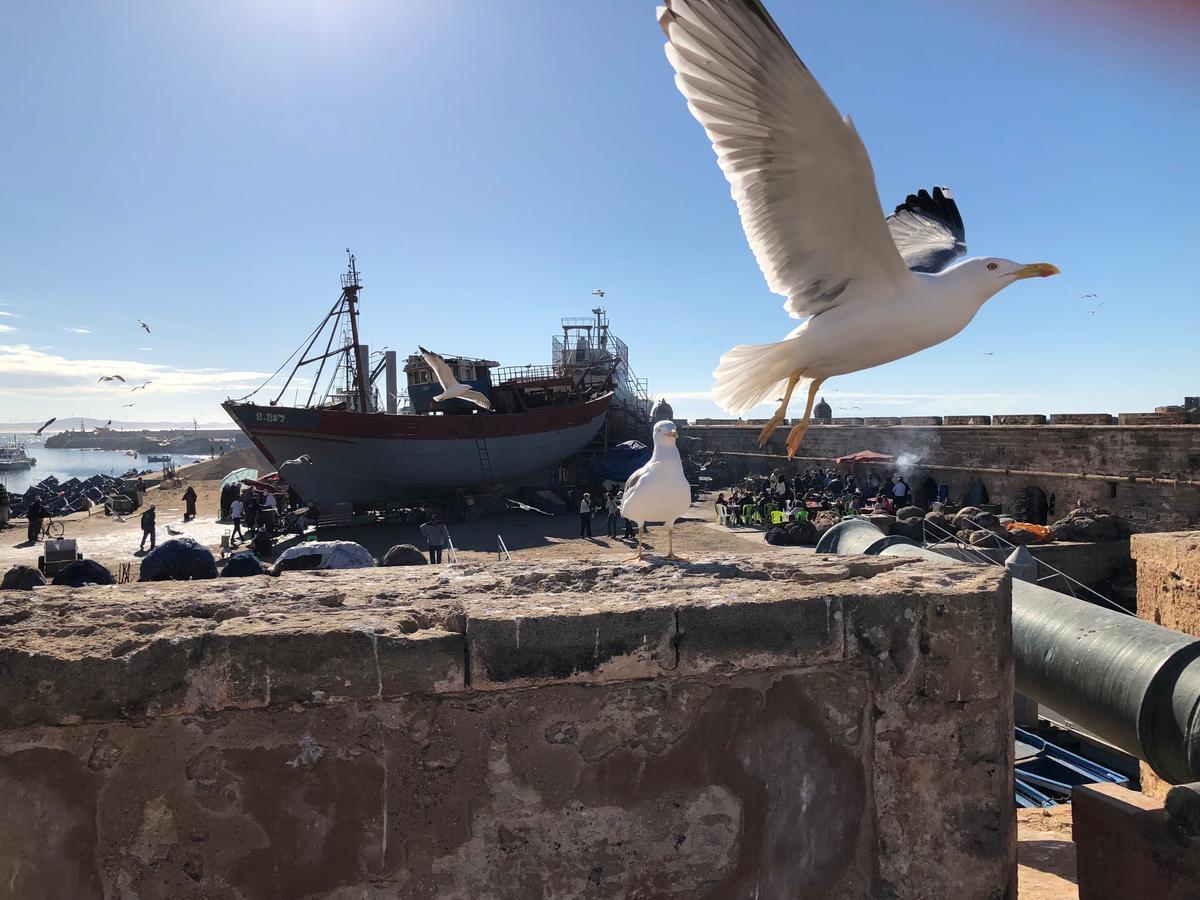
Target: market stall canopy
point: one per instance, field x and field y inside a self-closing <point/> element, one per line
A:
<point x="865" y="456"/>
<point x="239" y="475"/>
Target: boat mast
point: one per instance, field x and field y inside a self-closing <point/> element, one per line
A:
<point x="350" y="287"/>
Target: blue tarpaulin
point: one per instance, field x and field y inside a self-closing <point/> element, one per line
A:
<point x="620" y="462"/>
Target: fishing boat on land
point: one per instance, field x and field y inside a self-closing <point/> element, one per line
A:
<point x="361" y="442"/>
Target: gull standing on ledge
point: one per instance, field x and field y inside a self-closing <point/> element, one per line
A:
<point x="658" y="491"/>
<point x="870" y="290"/>
<point x="452" y="388"/>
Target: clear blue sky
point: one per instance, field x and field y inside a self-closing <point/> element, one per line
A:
<point x="202" y="165"/>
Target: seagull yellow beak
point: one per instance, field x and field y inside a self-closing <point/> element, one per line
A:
<point x="1036" y="270"/>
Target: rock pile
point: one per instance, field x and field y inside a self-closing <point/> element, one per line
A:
<point x="1088" y="523"/>
<point x="62" y="497"/>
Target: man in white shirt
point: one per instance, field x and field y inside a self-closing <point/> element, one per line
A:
<point x="900" y="491"/>
<point x="236" y="509"/>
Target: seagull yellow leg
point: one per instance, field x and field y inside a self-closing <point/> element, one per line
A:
<point x="797" y="434"/>
<point x="671" y="543"/>
<point x="639" y="553"/>
<point x="781" y="413"/>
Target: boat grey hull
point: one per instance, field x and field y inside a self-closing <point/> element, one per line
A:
<point x="379" y="458"/>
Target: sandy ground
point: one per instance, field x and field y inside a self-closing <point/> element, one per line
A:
<point x="527" y="535"/>
<point x="1047" y="856"/>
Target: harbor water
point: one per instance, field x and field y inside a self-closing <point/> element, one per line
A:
<point x="72" y="463"/>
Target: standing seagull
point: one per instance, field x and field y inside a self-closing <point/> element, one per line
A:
<point x="658" y="491"/>
<point x="451" y="387"/>
<point x="871" y="290"/>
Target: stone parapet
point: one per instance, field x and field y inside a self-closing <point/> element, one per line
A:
<point x="1081" y="419"/>
<point x="785" y="725"/>
<point x="967" y="420"/>
<point x="1030" y="419"/>
<point x="1154" y="418"/>
<point x="1168" y="594"/>
<point x="881" y="420"/>
<point x="920" y="420"/>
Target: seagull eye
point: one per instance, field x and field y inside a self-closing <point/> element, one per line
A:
<point x="992" y="266"/>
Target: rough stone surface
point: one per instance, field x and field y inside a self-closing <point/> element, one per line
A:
<point x="1168" y="594"/>
<point x="774" y="726"/>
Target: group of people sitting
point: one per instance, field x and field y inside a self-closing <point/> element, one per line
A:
<point x="805" y="493"/>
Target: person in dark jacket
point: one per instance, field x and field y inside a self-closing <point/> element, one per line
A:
<point x="189" y="498"/>
<point x="147" y="528"/>
<point x="34" y="515"/>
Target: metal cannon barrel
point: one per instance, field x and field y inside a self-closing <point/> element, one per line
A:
<point x="1133" y="683"/>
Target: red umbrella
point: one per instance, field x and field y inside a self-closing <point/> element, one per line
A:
<point x="865" y="456"/>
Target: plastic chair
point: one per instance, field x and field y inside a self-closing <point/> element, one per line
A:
<point x="748" y="514"/>
<point x="723" y="516"/>
<point x="777" y="518"/>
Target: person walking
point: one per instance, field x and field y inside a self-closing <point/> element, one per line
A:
<point x="34" y="516"/>
<point x="148" y="530"/>
<point x="585" y="516"/>
<point x="4" y="506"/>
<point x="613" y="509"/>
<point x="236" y="510"/>
<point x="436" y="537"/>
<point x="189" y="499"/>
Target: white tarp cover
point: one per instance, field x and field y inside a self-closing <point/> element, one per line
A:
<point x="334" y="554"/>
<point x="240" y="475"/>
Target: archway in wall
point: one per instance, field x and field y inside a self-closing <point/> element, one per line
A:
<point x="977" y="494"/>
<point x="926" y="493"/>
<point x="1033" y="506"/>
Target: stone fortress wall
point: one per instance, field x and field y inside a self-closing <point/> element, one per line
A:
<point x="1146" y="466"/>
<point x="778" y="727"/>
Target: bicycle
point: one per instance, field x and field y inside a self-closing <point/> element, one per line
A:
<point x="50" y="530"/>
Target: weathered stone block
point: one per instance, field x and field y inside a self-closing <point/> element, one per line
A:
<point x="782" y="725"/>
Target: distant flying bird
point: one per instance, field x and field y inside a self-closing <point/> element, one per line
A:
<point x="990" y="353"/>
<point x="127" y="405"/>
<point x="302" y="460"/>
<point x="658" y="491"/>
<point x="806" y="194"/>
<point x="144" y="325"/>
<point x="598" y="292"/>
<point x="1086" y="296"/>
<point x="109" y="422"/>
<point x="141" y="387"/>
<point x="49" y="422"/>
<point x="1092" y="311"/>
<point x="452" y="389"/>
<point x="111" y="378"/>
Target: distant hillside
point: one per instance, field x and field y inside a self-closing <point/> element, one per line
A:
<point x="75" y="423"/>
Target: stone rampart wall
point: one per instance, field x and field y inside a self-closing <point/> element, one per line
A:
<point x="778" y="727"/>
<point x="1149" y="474"/>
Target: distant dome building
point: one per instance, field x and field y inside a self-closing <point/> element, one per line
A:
<point x="822" y="410"/>
<point x="662" y="411"/>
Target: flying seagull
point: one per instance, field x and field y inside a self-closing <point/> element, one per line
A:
<point x="871" y="290"/>
<point x="1092" y="311"/>
<point x="990" y="353"/>
<point x="127" y="405"/>
<point x="451" y="388"/>
<point x="49" y="422"/>
<point x="144" y="325"/>
<point x="658" y="491"/>
<point x="1086" y="296"/>
<point x="111" y="378"/>
<point x="302" y="460"/>
<point x="140" y="387"/>
<point x="598" y="292"/>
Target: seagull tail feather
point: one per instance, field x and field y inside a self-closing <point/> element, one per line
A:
<point x="751" y="374"/>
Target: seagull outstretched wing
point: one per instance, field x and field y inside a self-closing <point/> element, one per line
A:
<point x="441" y="370"/>
<point x="928" y="230"/>
<point x="798" y="171"/>
<point x="477" y="398"/>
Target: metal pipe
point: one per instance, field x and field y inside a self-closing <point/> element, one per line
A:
<point x="1133" y="683"/>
